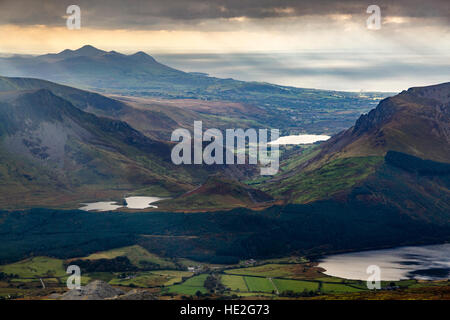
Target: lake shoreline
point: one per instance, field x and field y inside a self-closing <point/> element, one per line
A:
<point x="421" y="262"/>
<point x="130" y="203"/>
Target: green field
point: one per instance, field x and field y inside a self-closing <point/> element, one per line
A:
<point x="38" y="267"/>
<point x="173" y="276"/>
<point x="104" y="276"/>
<point x="152" y="279"/>
<point x="256" y="284"/>
<point x="5" y="292"/>
<point x="297" y="286"/>
<point x="137" y="255"/>
<point x="267" y="270"/>
<point x="340" y="288"/>
<point x="253" y="294"/>
<point x="235" y="283"/>
<point x="190" y="286"/>
<point x="188" y="263"/>
<point x="333" y="279"/>
<point x="85" y="279"/>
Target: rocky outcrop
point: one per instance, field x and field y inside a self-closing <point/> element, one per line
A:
<point x="416" y="122"/>
<point x="96" y="290"/>
<point x="100" y="290"/>
<point x="135" y="294"/>
<point x="375" y="118"/>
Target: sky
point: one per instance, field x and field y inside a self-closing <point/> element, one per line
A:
<point x="317" y="44"/>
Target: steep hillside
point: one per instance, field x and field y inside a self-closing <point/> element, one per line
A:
<point x="397" y="155"/>
<point x="84" y="100"/>
<point x="54" y="154"/>
<point x="416" y="122"/>
<point x="218" y="192"/>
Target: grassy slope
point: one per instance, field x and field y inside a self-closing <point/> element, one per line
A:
<point x="416" y="128"/>
<point x="137" y="255"/>
<point x="152" y="279"/>
<point x="352" y="163"/>
<point x="217" y="193"/>
<point x="334" y="177"/>
<point x="35" y="268"/>
<point x="101" y="157"/>
<point x="190" y="286"/>
<point x="154" y="117"/>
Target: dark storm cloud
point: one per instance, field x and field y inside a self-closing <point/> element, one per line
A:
<point x="141" y="13"/>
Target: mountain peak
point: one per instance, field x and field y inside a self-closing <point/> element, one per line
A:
<point x="415" y="122"/>
<point x="85" y="51"/>
<point x="89" y="50"/>
<point x="142" y="56"/>
<point x="439" y="92"/>
<point x="406" y="102"/>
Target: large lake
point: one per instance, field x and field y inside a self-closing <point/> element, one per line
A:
<point x="421" y="262"/>
<point x="132" y="203"/>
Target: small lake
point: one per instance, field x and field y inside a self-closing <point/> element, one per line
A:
<point x="132" y="203"/>
<point x="419" y="262"/>
<point x="300" y="139"/>
<point x="141" y="202"/>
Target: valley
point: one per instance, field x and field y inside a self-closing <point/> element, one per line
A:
<point x="284" y="278"/>
<point x="367" y="172"/>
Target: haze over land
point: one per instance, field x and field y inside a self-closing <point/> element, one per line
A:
<point x="324" y="45"/>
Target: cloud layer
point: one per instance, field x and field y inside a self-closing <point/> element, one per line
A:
<point x="314" y="43"/>
<point x="181" y="13"/>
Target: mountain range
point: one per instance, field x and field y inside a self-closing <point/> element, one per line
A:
<point x="154" y="118"/>
<point x="89" y="155"/>
<point x="61" y="146"/>
<point x="140" y="75"/>
<point x="383" y="181"/>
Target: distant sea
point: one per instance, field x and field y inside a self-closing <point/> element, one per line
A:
<point x="333" y="70"/>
